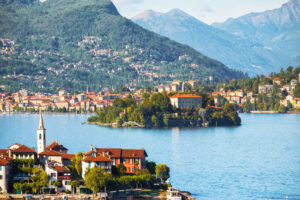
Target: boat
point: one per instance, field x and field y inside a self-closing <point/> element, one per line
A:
<point x="173" y="194"/>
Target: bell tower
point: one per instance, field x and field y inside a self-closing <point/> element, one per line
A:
<point x="41" y="136"/>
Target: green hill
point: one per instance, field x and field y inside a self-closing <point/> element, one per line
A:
<point x="71" y="44"/>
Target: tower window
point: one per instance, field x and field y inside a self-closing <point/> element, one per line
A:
<point x="40" y="136"/>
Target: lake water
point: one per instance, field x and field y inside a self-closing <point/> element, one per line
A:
<point x="258" y="160"/>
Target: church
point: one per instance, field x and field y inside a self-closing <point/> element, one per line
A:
<point x="53" y="158"/>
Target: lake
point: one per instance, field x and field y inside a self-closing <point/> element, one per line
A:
<point x="258" y="160"/>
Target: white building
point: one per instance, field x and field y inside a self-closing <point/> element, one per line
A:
<point x="59" y="172"/>
<point x="104" y="162"/>
<point x="4" y="174"/>
<point x="41" y="136"/>
<point x="186" y="100"/>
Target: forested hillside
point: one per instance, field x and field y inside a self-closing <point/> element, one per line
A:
<point x="72" y="44"/>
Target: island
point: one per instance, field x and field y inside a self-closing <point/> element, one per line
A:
<point x="165" y="110"/>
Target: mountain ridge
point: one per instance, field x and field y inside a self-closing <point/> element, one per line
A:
<point x="234" y="51"/>
<point x="73" y="44"/>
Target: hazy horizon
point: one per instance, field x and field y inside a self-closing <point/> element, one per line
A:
<point x="204" y="10"/>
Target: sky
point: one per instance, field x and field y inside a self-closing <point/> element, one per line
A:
<point x="208" y="11"/>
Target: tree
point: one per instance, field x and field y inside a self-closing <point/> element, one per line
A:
<point x="150" y="165"/>
<point x="57" y="184"/>
<point x="74" y="184"/>
<point x="166" y="120"/>
<point x="162" y="171"/>
<point x="154" y="120"/>
<point x="297" y="91"/>
<point x="76" y="161"/>
<point x="40" y="178"/>
<point x="95" y="179"/>
<point x="18" y="186"/>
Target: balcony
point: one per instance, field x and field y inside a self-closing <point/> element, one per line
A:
<point x="64" y="177"/>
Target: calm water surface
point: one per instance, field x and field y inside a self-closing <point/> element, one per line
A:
<point x="258" y="160"/>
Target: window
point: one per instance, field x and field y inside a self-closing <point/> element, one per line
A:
<point x="1" y="177"/>
<point x="89" y="164"/>
<point x="130" y="169"/>
<point x="93" y="155"/>
<point x="136" y="160"/>
<point x="67" y="182"/>
<point x="130" y="160"/>
<point x="40" y="136"/>
<point x="0" y="168"/>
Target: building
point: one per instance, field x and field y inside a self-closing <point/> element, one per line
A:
<point x="57" y="147"/>
<point x="277" y="81"/>
<point x="19" y="151"/>
<point x="265" y="89"/>
<point x="296" y="103"/>
<point x="132" y="159"/>
<point x="59" y="172"/>
<point x="41" y="136"/>
<point x="4" y="173"/>
<point x="186" y="100"/>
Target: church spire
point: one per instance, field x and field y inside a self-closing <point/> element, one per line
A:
<point x="41" y="124"/>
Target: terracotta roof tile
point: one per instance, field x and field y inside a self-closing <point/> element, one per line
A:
<point x="60" y="168"/>
<point x="133" y="153"/>
<point x="67" y="156"/>
<point x="4" y="162"/>
<point x="97" y="159"/>
<point x="23" y="149"/>
<point x="185" y="96"/>
<point x="50" y="153"/>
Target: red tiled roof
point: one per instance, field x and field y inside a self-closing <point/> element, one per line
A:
<point x="185" y="96"/>
<point x="67" y="156"/>
<point x="4" y="152"/>
<point x="50" y="153"/>
<point x="114" y="152"/>
<point x="23" y="149"/>
<point x="4" y="162"/>
<point x="133" y="153"/>
<point x="97" y="159"/>
<point x="55" y="146"/>
<point x="60" y="168"/>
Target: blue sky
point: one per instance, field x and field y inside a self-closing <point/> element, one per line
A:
<point x="208" y="11"/>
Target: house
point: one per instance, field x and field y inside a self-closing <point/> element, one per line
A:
<point x="265" y="89"/>
<point x="57" y="147"/>
<point x="59" y="172"/>
<point x="132" y="159"/>
<point x="277" y="81"/>
<point x="288" y="88"/>
<point x="19" y="151"/>
<point x="186" y="100"/>
<point x="235" y="99"/>
<point x="296" y="103"/>
<point x="4" y="173"/>
<point x="103" y="161"/>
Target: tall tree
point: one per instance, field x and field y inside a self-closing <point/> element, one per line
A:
<point x="76" y="161"/>
<point x="162" y="171"/>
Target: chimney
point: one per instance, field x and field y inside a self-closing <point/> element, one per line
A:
<point x="91" y="147"/>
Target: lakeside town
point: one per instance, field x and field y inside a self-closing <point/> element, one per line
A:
<point x="107" y="173"/>
<point x="25" y="100"/>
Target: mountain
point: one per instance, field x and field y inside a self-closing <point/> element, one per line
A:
<point x="72" y="44"/>
<point x="235" y="52"/>
<point x="277" y="29"/>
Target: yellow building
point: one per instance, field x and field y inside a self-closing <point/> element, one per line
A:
<point x="296" y="103"/>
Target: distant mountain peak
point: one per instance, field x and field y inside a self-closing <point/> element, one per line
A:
<point x="148" y="14"/>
